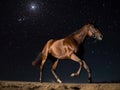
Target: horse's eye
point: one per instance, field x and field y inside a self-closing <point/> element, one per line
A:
<point x="95" y="31"/>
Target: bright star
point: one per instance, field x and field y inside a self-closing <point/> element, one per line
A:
<point x="33" y="7"/>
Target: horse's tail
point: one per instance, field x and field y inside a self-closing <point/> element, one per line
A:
<point x="37" y="61"/>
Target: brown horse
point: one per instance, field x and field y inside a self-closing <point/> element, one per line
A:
<point x="66" y="48"/>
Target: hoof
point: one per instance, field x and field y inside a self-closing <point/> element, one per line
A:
<point x="73" y="75"/>
<point x="59" y="81"/>
<point x="90" y="80"/>
<point x="40" y="80"/>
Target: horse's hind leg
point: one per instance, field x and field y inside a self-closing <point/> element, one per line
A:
<point x="41" y="67"/>
<point x="54" y="72"/>
<point x="44" y="56"/>
<point x="88" y="70"/>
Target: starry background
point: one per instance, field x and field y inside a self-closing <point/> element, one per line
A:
<point x="26" y="25"/>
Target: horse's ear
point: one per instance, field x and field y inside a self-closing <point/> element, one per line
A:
<point x="92" y="22"/>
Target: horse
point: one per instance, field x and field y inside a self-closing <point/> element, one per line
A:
<point x="66" y="48"/>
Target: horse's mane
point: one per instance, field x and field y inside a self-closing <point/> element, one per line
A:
<point x="81" y="29"/>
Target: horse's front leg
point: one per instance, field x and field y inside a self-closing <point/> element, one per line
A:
<point x="88" y="71"/>
<point x="54" y="72"/>
<point x="76" y="59"/>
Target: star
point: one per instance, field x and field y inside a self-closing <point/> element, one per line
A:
<point x="92" y="51"/>
<point x="33" y="7"/>
<point x="21" y="19"/>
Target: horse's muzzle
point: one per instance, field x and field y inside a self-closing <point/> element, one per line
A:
<point x="100" y="37"/>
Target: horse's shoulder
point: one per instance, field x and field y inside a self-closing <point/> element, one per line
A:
<point x="67" y="41"/>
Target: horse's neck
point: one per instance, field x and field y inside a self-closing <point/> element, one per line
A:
<point x="80" y="36"/>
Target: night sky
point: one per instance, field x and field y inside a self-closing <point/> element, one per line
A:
<point x="26" y="25"/>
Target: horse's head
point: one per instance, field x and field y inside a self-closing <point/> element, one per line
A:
<point x="94" y="32"/>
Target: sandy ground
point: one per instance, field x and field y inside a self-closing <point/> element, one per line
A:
<point x="19" y="85"/>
